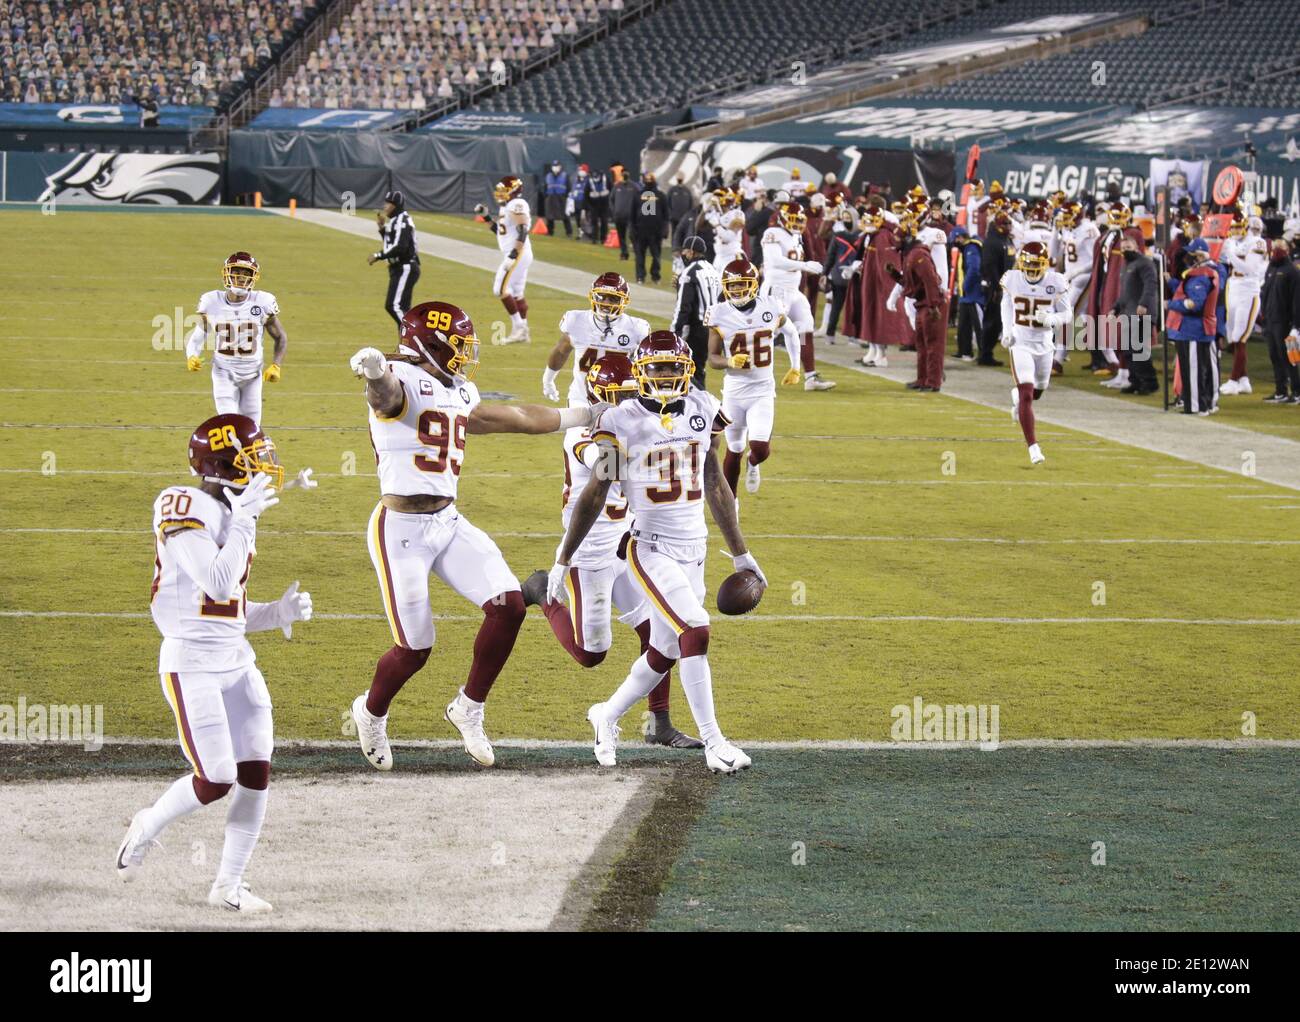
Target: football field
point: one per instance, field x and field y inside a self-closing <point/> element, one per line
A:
<point x="1109" y="596"/>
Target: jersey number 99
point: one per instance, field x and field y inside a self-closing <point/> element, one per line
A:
<point x="445" y="435"/>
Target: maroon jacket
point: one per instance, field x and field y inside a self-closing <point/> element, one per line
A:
<point x="920" y="281"/>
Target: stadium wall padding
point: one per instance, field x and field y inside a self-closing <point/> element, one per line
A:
<point x="439" y="172"/>
<point x="148" y="179"/>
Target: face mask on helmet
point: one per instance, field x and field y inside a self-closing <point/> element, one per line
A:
<point x="610" y="385"/>
<point x="739" y="288"/>
<point x="240" y="277"/>
<point x="233" y="463"/>
<point x="607" y="302"/>
<point x="793" y="217"/>
<point x="1032" y="263"/>
<point x="663" y="377"/>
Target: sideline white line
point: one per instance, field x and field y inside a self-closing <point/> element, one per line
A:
<point x="1286" y="622"/>
<point x="797" y="745"/>
<point x="799" y="536"/>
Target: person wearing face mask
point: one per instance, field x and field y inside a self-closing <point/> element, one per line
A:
<point x="557" y="196"/>
<point x="1139" y="295"/>
<point x="1280" y="298"/>
<point x="1191" y="323"/>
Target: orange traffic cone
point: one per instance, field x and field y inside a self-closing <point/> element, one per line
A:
<point x="480" y="219"/>
<point x="611" y="239"/>
<point x="540" y="227"/>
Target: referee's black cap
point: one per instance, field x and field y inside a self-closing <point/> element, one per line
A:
<point x="695" y="244"/>
<point x="397" y="199"/>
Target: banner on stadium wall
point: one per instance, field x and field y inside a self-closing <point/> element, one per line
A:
<point x="1180" y="178"/>
<point x="112" y="178"/>
<point x="1036" y="176"/>
<point x="899" y="125"/>
<point x="856" y="168"/>
<point x="505" y="122"/>
<point x="102" y="115"/>
<point x="277" y="118"/>
<point x="886" y="67"/>
<point x="1193" y="131"/>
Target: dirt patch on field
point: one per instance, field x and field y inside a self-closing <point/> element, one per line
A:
<point x="489" y="850"/>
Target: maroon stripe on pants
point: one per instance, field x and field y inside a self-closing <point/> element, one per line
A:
<point x="185" y="726"/>
<point x="649" y="583"/>
<point x="577" y="608"/>
<point x="388" y="578"/>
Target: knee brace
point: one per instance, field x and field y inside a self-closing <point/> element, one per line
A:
<point x="694" y="641"/>
<point x="207" y="791"/>
<point x="254" y="774"/>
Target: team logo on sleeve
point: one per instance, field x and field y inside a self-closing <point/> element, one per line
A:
<point x="697" y="423"/>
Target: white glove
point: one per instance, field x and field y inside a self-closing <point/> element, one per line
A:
<point x="253" y="499"/>
<point x="855" y="267"/>
<point x="294" y="606"/>
<point x="813" y="266"/>
<point x="370" y="363"/>
<point x="1007" y="340"/>
<point x="480" y="209"/>
<point x="891" y="303"/>
<point x="304" y="481"/>
<point x="549" y="390"/>
<point x="746" y="562"/>
<point x="556" y="591"/>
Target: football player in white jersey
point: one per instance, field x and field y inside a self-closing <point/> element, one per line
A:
<point x="741" y="330"/>
<point x="511" y="226"/>
<point x="598" y="577"/>
<point x="1035" y="302"/>
<point x="237" y="317"/>
<point x="1245" y="254"/>
<point x="783" y="269"/>
<point x="1077" y="236"/>
<point x="661" y="449"/>
<point x="728" y="231"/>
<point x="422" y="406"/>
<point x="204" y="540"/>
<point x="590" y="333"/>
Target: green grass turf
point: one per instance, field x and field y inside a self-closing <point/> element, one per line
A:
<point x="1198" y="839"/>
<point x="84" y="383"/>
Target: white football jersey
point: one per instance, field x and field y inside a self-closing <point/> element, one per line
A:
<point x="1079" y="244"/>
<point x="510" y="217"/>
<point x="662" y="468"/>
<point x="1247" y="260"/>
<point x="591" y="337"/>
<point x="600" y="545"/>
<point x="728" y="239"/>
<point x="421" y="448"/>
<point x="781" y="247"/>
<point x="237" y="329"/>
<point x="752" y="331"/>
<point x="199" y="633"/>
<point x="1022" y="301"/>
<point x="936" y="240"/>
<point x="1045" y="235"/>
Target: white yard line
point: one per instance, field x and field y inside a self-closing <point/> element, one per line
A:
<point x="801" y="745"/>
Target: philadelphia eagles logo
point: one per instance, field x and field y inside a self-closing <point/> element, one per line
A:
<point x="144" y="178"/>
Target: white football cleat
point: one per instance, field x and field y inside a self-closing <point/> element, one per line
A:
<point x="132" y="850"/>
<point x="467" y="718"/>
<point x="372" y="733"/>
<point x="1229" y="387"/>
<point x="237" y="898"/>
<point x="881" y="361"/>
<point x="1243" y="386"/>
<point x="1036" y="455"/>
<point x="724" y="758"/>
<point x="752" y="479"/>
<point x="519" y="335"/>
<point x="607" y="732"/>
<point x="814" y="382"/>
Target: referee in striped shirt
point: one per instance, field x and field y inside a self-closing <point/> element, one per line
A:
<point x="698" y="287"/>
<point x="397" y="235"/>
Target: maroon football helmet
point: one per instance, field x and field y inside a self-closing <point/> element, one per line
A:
<point x="611" y="379"/>
<point x="230" y="448"/>
<point x="240" y="273"/>
<point x="609" y="295"/>
<point x="509" y="187"/>
<point x="739" y="281"/>
<point x="663" y="366"/>
<point x="443" y="334"/>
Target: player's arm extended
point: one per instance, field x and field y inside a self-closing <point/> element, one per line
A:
<point x="560" y="353"/>
<point x="214" y="569"/>
<point x="591" y="501"/>
<point x="527" y="418"/>
<point x="722" y="502"/>
<point x="194" y="344"/>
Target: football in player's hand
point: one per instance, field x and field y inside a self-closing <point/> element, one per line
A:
<point x="740" y="592"/>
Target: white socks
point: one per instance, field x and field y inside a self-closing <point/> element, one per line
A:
<point x="177" y="801"/>
<point x="243" y="826"/>
<point x="697" y="681"/>
<point x="640" y="680"/>
<point x="516" y="319"/>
